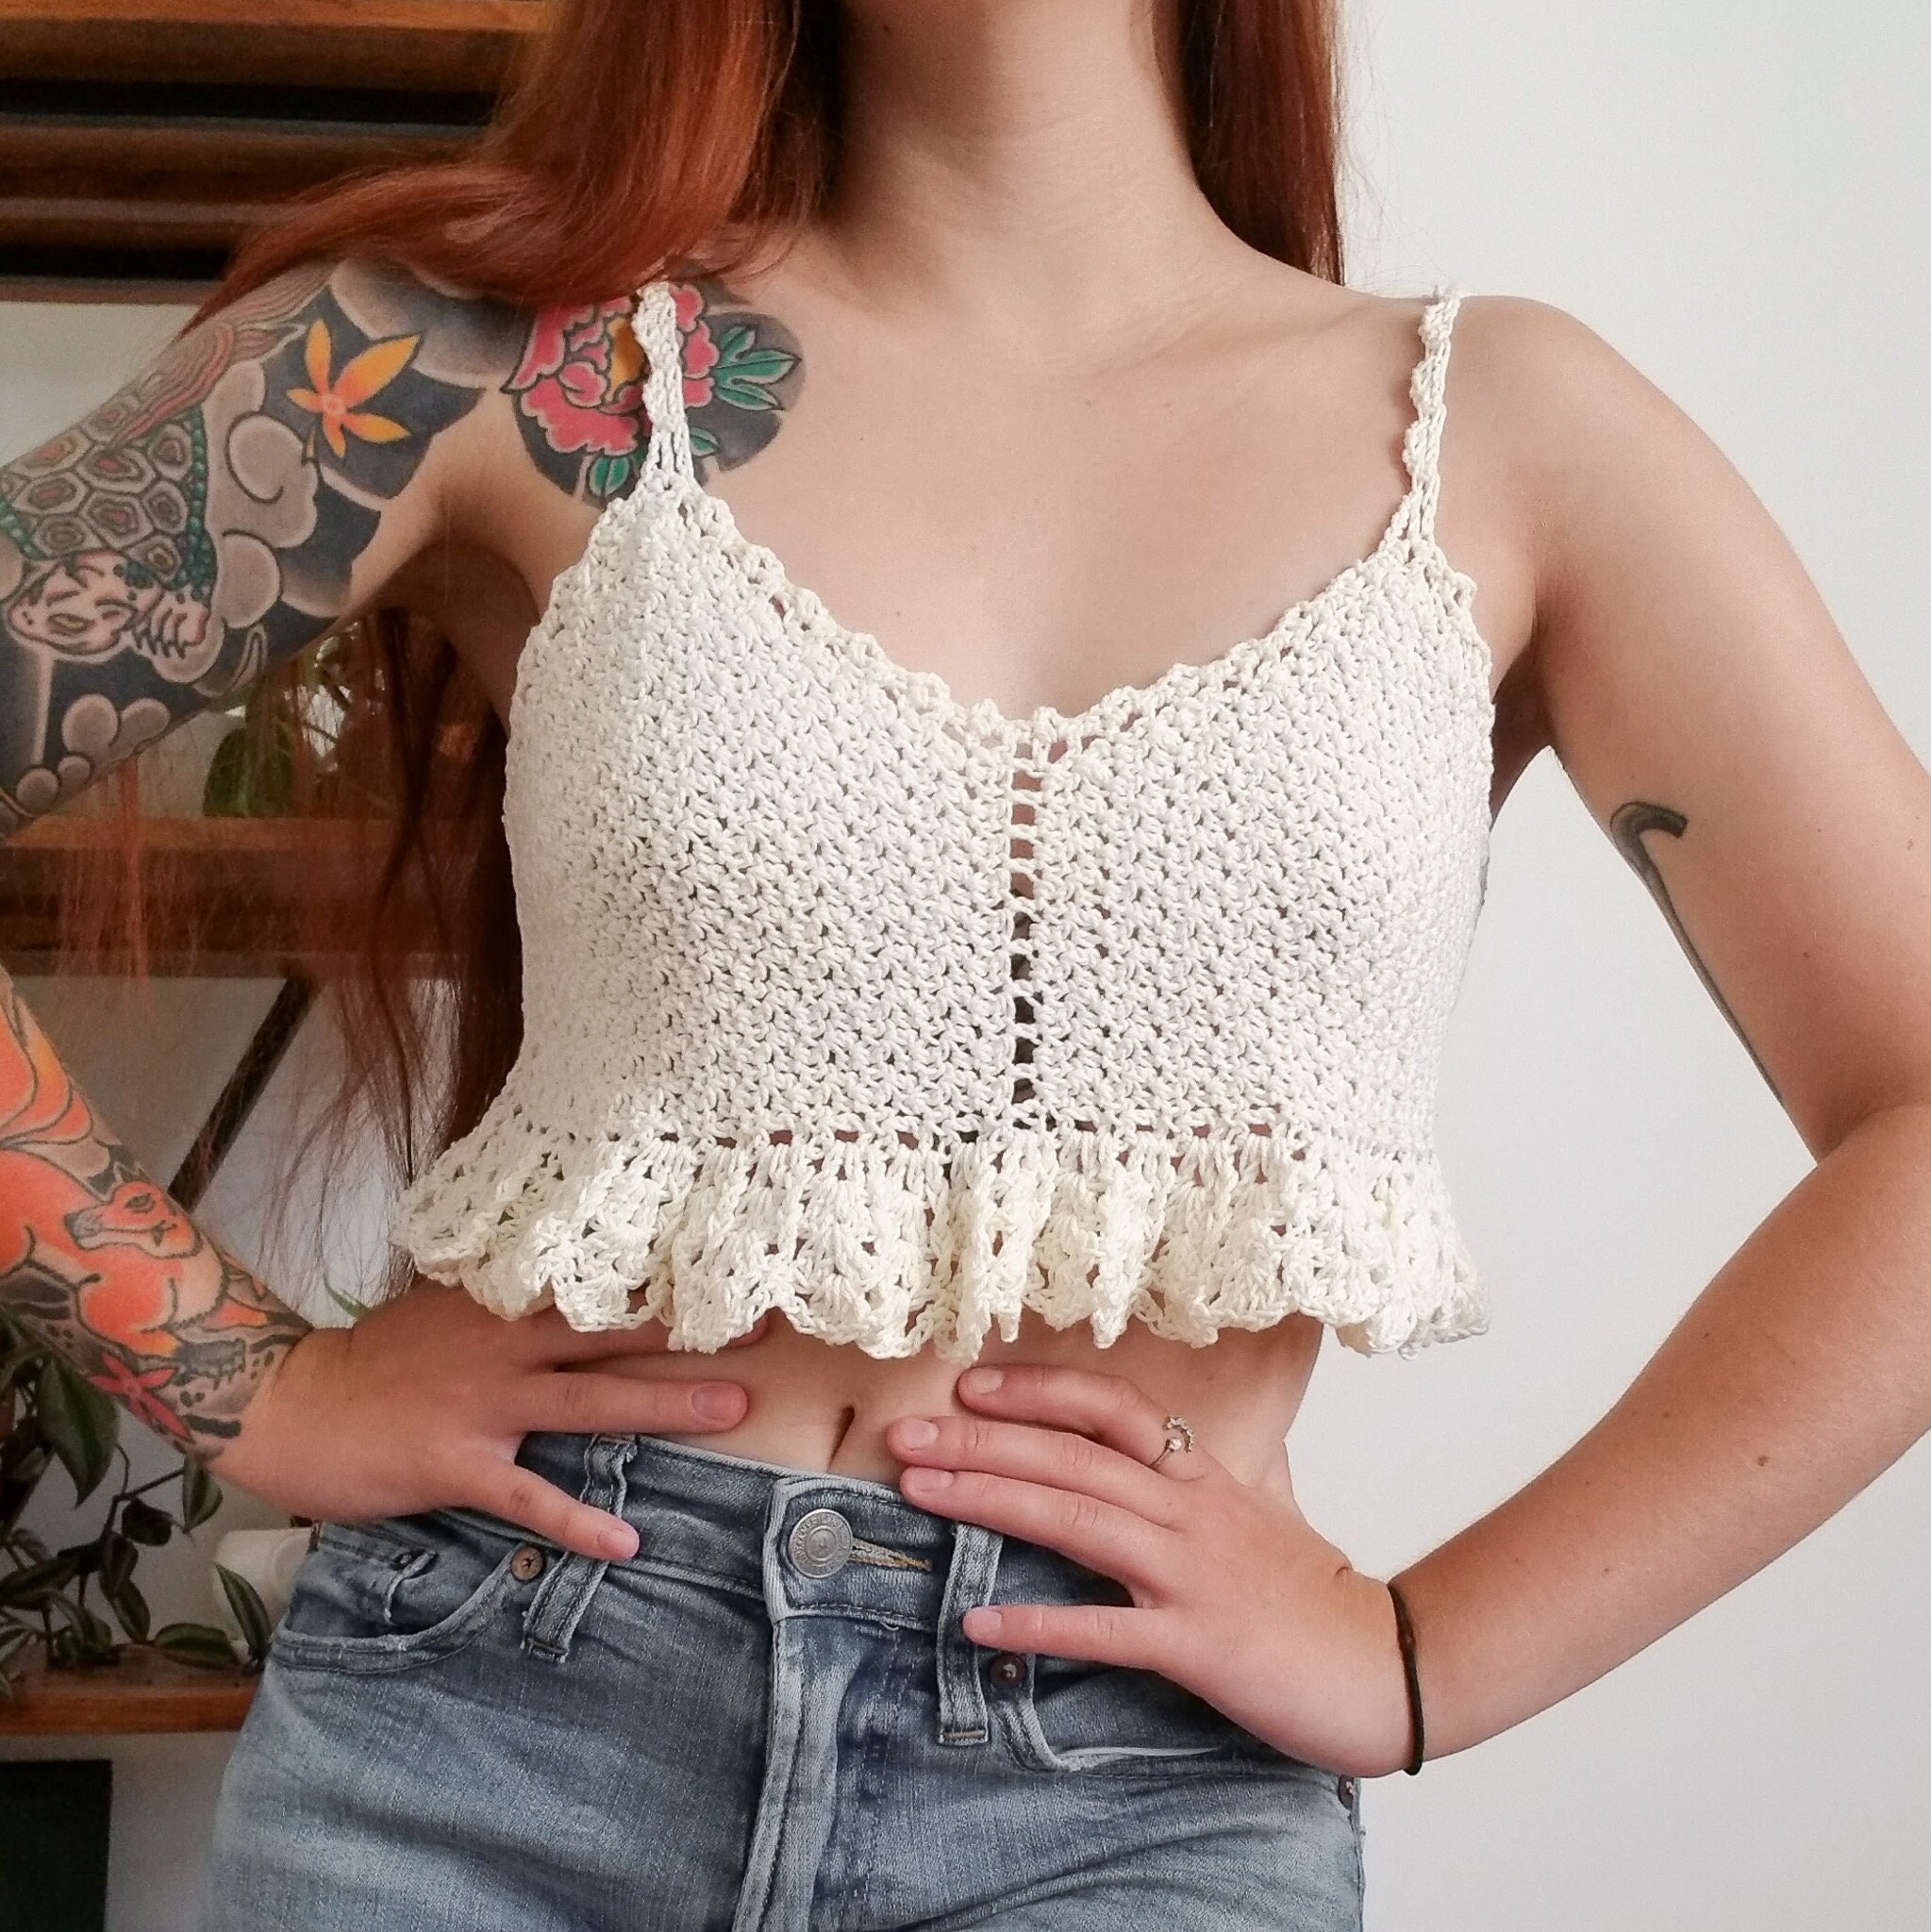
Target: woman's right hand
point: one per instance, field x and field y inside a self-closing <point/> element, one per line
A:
<point x="423" y="1403"/>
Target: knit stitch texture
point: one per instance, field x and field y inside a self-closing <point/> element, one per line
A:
<point x="901" y="1015"/>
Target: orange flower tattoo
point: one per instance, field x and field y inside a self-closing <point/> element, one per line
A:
<point x="336" y="403"/>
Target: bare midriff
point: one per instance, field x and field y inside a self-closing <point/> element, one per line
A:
<point x="825" y="1406"/>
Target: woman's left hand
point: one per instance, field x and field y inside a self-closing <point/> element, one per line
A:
<point x="1234" y="1596"/>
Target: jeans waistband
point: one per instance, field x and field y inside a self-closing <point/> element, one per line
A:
<point x="812" y="1543"/>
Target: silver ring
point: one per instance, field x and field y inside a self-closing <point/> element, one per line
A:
<point x="1179" y="1439"/>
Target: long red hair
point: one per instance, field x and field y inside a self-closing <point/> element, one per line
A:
<point x="633" y="137"/>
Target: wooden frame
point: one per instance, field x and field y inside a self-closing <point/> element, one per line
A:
<point x="142" y="138"/>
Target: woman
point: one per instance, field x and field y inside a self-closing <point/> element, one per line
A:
<point x="1052" y="987"/>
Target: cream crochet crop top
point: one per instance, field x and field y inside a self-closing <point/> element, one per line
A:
<point x="901" y="1015"/>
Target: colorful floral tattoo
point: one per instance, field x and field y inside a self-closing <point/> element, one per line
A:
<point x="201" y="524"/>
<point x="579" y="387"/>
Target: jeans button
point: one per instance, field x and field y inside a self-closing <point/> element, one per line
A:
<point x="821" y="1542"/>
<point x="1344" y="1790"/>
<point x="526" y="1565"/>
<point x="1008" y="1668"/>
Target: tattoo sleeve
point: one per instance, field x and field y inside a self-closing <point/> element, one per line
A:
<point x="201" y="525"/>
<point x="196" y="529"/>
<point x="102" y="1265"/>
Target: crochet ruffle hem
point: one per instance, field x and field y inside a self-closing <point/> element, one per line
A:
<point x="891" y="1247"/>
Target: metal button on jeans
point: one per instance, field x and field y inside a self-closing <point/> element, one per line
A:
<point x="527" y="1563"/>
<point x="1344" y="1790"/>
<point x="821" y="1542"/>
<point x="1008" y="1668"/>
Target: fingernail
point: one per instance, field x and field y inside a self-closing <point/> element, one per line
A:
<point x="982" y="1625"/>
<point x="619" y="1542"/>
<point x="918" y="1433"/>
<point x="980" y="1381"/>
<point x="718" y="1402"/>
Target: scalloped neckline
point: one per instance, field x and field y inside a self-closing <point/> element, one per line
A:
<point x="931" y="691"/>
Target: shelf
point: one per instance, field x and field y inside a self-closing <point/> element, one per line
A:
<point x="224" y="898"/>
<point x="142" y="1695"/>
<point x="143" y="139"/>
<point x="453" y="45"/>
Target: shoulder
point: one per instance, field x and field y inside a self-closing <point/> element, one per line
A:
<point x="1576" y="427"/>
<point x="1605" y="474"/>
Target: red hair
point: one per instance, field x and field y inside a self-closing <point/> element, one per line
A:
<point x="635" y="137"/>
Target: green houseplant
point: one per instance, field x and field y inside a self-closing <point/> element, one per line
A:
<point x="81" y="1603"/>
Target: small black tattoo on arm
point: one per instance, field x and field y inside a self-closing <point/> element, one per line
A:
<point x="1628" y="823"/>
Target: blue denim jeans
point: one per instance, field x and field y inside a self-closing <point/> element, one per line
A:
<point x="769" y="1718"/>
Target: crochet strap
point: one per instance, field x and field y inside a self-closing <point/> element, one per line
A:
<point x="1427" y="391"/>
<point x="654" y="322"/>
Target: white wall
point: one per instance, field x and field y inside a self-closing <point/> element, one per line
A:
<point x="1736" y="199"/>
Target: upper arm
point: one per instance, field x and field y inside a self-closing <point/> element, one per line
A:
<point x="255" y="487"/>
<point x="1718" y="729"/>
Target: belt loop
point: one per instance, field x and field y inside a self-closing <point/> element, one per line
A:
<point x="962" y="1717"/>
<point x="564" y="1594"/>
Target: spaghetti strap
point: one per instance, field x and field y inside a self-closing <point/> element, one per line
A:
<point x="654" y="322"/>
<point x="1427" y="391"/>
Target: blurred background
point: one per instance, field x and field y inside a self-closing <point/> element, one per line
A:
<point x="1735" y="199"/>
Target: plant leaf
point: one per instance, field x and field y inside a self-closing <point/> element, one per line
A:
<point x="38" y="1584"/>
<point x="12" y="1643"/>
<point x="18" y="1483"/>
<point x="250" y="1612"/>
<point x="131" y="1608"/>
<point x="142" y="1523"/>
<point x="201" y="1495"/>
<point x="116" y="1561"/>
<point x="94" y="1636"/>
<point x="224" y="794"/>
<point x="195" y="1643"/>
<point x="81" y="1426"/>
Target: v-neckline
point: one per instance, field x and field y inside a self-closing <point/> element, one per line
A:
<point x="1045" y="726"/>
<point x="931" y="691"/>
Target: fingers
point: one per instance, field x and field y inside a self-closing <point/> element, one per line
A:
<point x="1109" y="1408"/>
<point x="582" y="1402"/>
<point x="515" y="1494"/>
<point x="1101" y="1633"/>
<point x="1103" y="1536"/>
<point x="1035" y="1454"/>
<point x="545" y="1337"/>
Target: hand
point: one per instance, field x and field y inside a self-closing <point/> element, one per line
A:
<point x="424" y="1402"/>
<point x="1234" y="1596"/>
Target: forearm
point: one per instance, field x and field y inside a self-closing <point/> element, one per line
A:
<point x="99" y="1263"/>
<point x="1800" y="1374"/>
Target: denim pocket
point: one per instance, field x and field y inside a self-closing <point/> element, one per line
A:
<point x="393" y="1594"/>
<point x="1074" y="1715"/>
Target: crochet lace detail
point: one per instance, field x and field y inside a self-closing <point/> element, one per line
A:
<point x="902" y="1015"/>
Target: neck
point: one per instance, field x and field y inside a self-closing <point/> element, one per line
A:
<point x="1023" y="163"/>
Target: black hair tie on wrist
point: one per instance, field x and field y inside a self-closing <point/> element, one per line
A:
<point x="1405" y="1631"/>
